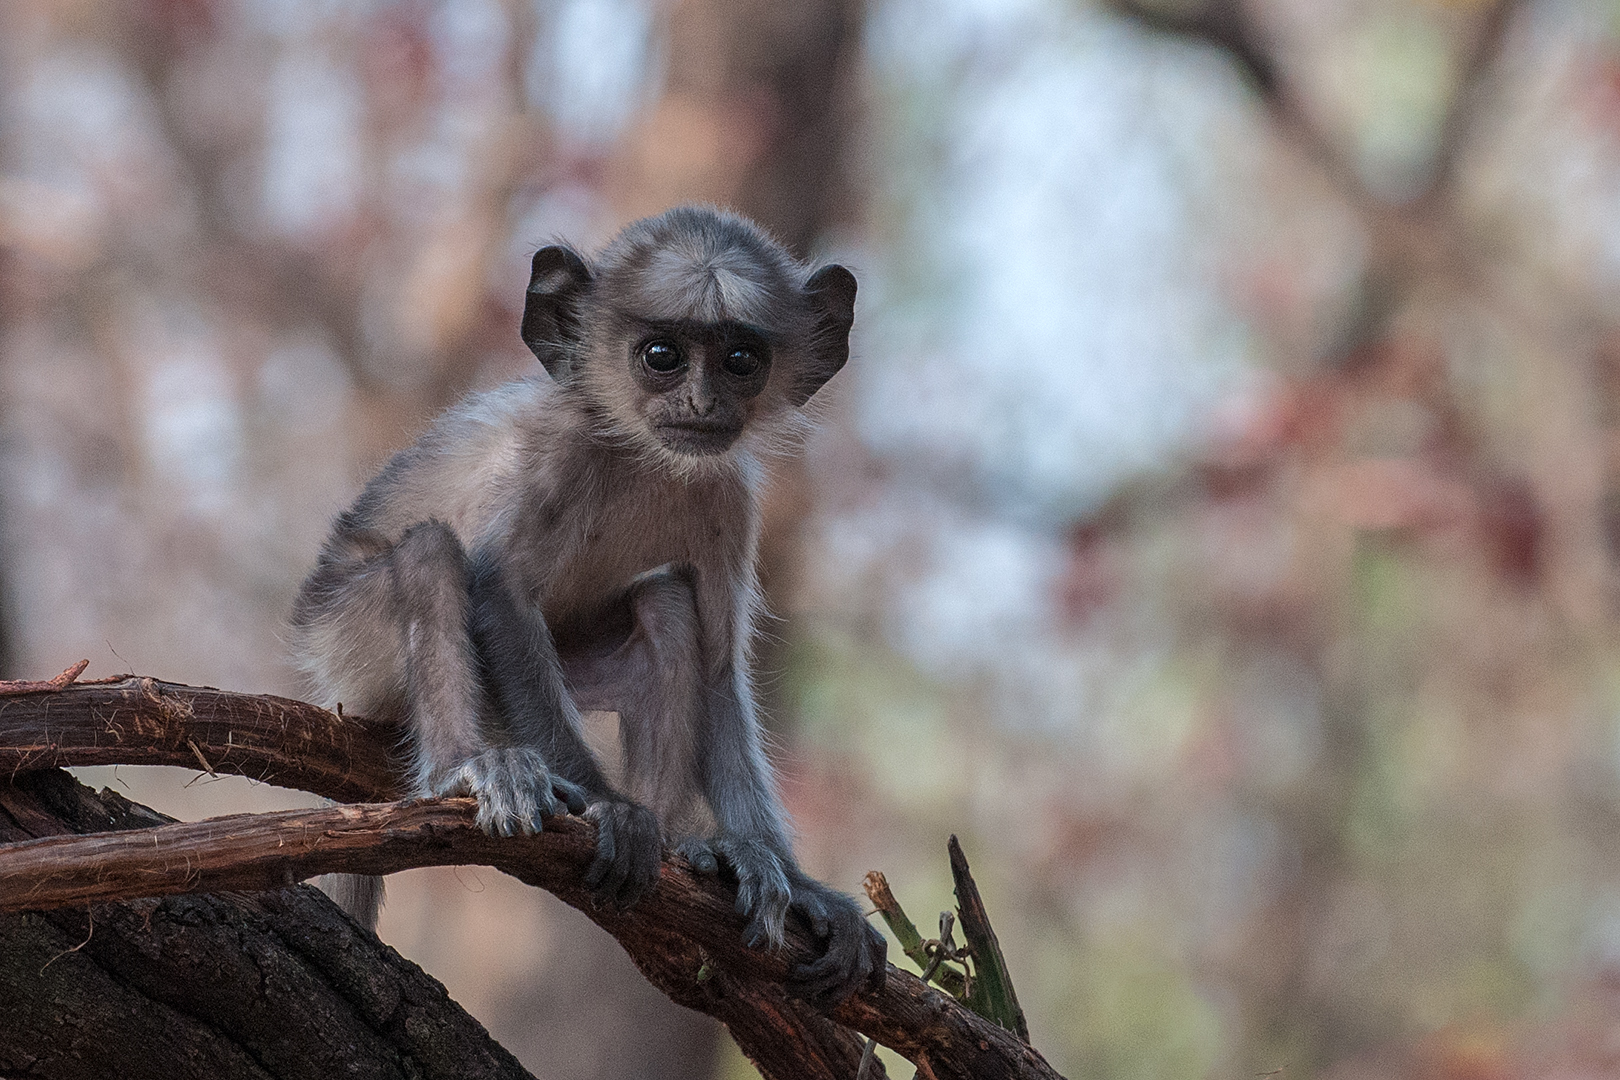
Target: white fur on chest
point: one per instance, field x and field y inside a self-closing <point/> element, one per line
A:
<point x="641" y="523"/>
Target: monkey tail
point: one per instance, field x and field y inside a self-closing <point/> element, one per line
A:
<point x="361" y="895"/>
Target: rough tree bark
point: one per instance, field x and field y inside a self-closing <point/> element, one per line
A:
<point x="685" y="937"/>
<point x="275" y="984"/>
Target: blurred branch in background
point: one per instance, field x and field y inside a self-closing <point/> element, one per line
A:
<point x="1232" y="27"/>
<point x="1431" y="258"/>
<point x="1417" y="244"/>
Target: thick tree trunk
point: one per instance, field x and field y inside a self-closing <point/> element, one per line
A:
<point x="274" y="984"/>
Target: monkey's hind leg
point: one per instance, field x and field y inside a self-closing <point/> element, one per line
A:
<point x="524" y="675"/>
<point x="455" y="754"/>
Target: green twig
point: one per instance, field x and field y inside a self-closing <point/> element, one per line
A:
<point x="992" y="993"/>
<point x="948" y="979"/>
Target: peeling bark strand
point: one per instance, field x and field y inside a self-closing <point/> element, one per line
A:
<point x="687" y="924"/>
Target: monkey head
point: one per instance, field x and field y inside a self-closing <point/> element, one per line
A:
<point x="692" y="331"/>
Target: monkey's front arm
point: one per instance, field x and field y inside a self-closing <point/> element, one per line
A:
<point x="690" y="732"/>
<point x="751" y="838"/>
<point x="531" y="708"/>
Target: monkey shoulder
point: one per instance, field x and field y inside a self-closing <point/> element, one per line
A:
<point x="467" y="465"/>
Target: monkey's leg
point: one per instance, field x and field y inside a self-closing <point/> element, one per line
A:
<point x="519" y="661"/>
<point x="455" y="753"/>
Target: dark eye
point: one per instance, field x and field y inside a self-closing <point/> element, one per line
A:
<point x="661" y="356"/>
<point x="742" y="362"/>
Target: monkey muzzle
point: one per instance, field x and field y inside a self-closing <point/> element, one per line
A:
<point x="698" y="438"/>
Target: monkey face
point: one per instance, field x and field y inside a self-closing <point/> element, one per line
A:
<point x="696" y="306"/>
<point x="698" y="383"/>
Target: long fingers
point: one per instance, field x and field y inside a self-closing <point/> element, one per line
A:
<point x="855" y="959"/>
<point x="763" y="893"/>
<point x="572" y="795"/>
<point x="515" y="790"/>
<point x="629" y="853"/>
<point x="854" y="955"/>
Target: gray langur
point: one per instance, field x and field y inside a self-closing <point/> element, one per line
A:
<point x="587" y="541"/>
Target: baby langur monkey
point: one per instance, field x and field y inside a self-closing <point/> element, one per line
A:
<point x="588" y="541"/>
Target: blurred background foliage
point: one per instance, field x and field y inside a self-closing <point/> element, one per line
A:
<point x="1218" y="526"/>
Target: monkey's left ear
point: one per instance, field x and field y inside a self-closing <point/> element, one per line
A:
<point x="831" y="293"/>
<point x="557" y="283"/>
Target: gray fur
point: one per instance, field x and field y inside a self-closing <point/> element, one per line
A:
<point x="359" y="894"/>
<point x="588" y="540"/>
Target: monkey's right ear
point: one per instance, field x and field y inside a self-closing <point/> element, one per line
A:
<point x="831" y="292"/>
<point x="551" y="313"/>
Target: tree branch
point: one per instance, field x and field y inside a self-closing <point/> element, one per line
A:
<point x="1228" y="26"/>
<point x="139" y="721"/>
<point x="1479" y="61"/>
<point x="686" y="937"/>
<point x="251" y="852"/>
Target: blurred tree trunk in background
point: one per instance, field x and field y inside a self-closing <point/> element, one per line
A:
<point x="758" y="112"/>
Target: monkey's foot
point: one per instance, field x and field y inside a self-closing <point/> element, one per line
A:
<point x="629" y="851"/>
<point x="514" y="788"/>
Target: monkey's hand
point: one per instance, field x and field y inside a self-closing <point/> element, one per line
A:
<point x="514" y="788"/>
<point x="853" y="956"/>
<point x="629" y="852"/>
<point x="762" y="883"/>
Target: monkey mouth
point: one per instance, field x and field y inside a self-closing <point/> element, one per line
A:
<point x="697" y="438"/>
